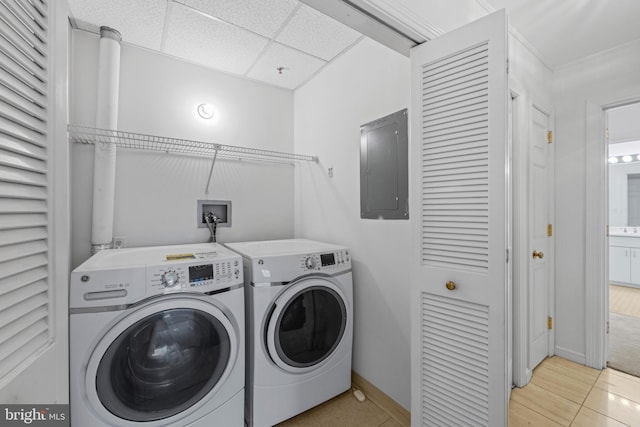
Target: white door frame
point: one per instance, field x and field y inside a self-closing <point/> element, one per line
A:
<point x="596" y="240"/>
<point x="519" y="125"/>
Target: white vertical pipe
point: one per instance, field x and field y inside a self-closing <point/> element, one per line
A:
<point x="104" y="175"/>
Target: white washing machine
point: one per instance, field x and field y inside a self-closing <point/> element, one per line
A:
<point x="157" y="338"/>
<point x="299" y="307"/>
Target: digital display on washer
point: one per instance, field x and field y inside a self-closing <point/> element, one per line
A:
<point x="198" y="273"/>
<point x="327" y="259"/>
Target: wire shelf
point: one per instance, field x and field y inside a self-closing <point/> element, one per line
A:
<point x="139" y="141"/>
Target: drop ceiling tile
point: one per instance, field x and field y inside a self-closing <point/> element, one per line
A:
<point x="298" y="67"/>
<point x="198" y="38"/>
<point x="317" y="34"/>
<point x="264" y="17"/>
<point x="140" y="22"/>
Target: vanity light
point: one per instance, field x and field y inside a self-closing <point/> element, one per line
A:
<point x="205" y="111"/>
<point x="613" y="160"/>
<point x="627" y="158"/>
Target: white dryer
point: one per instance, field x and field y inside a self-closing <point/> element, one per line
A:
<point x="299" y="307"/>
<point x="157" y="338"/>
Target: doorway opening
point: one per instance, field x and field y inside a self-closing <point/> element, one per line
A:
<point x="623" y="285"/>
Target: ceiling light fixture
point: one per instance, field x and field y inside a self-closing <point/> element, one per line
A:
<point x="205" y="111"/>
<point x="613" y="160"/>
<point x="281" y="69"/>
<point x="627" y="158"/>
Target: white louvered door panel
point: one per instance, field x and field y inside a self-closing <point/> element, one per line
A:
<point x="24" y="239"/>
<point x="459" y="201"/>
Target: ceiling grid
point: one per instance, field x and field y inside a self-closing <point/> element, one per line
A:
<point x="279" y="42"/>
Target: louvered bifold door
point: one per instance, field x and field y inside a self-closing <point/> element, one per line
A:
<point x="459" y="201"/>
<point x="24" y="285"/>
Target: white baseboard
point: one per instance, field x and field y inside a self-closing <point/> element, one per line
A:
<point x="571" y="355"/>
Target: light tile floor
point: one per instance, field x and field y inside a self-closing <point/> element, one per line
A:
<point x="561" y="393"/>
<point x="343" y="411"/>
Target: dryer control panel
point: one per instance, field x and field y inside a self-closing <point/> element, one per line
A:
<point x="326" y="261"/>
<point x="124" y="276"/>
<point x="197" y="276"/>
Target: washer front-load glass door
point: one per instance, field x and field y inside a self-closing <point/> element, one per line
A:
<point x="307" y="324"/>
<point x="162" y="364"/>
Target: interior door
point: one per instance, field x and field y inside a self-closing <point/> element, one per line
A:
<point x="460" y="173"/>
<point x="538" y="239"/>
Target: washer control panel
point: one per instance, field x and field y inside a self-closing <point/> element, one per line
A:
<point x="326" y="261"/>
<point x="197" y="276"/>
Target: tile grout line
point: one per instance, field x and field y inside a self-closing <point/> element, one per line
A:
<point x="541" y="414"/>
<point x="585" y="399"/>
<point x="597" y="411"/>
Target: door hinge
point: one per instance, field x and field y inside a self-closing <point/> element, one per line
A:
<point x="607" y="326"/>
<point x="606" y="134"/>
<point x="550" y="136"/>
<point x="549" y="230"/>
<point x="549" y="322"/>
<point x="507" y="66"/>
<point x="607" y="231"/>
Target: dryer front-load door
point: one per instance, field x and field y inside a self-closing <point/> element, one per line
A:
<point x="307" y="324"/>
<point x="161" y="360"/>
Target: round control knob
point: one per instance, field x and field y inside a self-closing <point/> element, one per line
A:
<point x="169" y="279"/>
<point x="310" y="263"/>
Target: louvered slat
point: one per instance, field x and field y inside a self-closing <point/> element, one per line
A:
<point x="9" y="237"/>
<point x="29" y="70"/>
<point x="17" y="115"/>
<point x="17" y="191"/>
<point x="17" y="132"/>
<point x="32" y="344"/>
<point x="17" y="281"/>
<point x="37" y="10"/>
<point x="22" y="323"/>
<point x="24" y="251"/>
<point x="18" y="161"/>
<point x="455" y="154"/>
<point x="22" y="84"/>
<point x="15" y="145"/>
<point x="16" y="343"/>
<point x="22" y="221"/>
<point x="17" y="251"/>
<point x="8" y="205"/>
<point x="23" y="33"/>
<point x="21" y="104"/>
<point x="33" y="27"/>
<point x="455" y="361"/>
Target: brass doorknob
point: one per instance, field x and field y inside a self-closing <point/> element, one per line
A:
<point x="538" y="254"/>
<point x="451" y="285"/>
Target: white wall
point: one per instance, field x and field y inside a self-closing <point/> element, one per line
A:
<point x="367" y="83"/>
<point x="157" y="193"/>
<point x="607" y="78"/>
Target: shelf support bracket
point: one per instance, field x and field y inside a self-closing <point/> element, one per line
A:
<point x="213" y="164"/>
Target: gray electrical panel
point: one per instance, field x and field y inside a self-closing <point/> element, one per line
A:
<point x="384" y="167"/>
